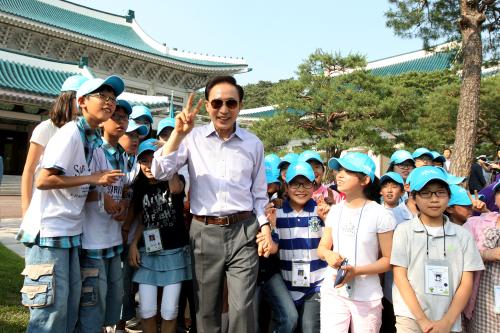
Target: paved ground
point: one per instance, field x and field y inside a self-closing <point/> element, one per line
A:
<point x="10" y="219"/>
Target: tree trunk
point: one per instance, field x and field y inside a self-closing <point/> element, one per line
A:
<point x="468" y="111"/>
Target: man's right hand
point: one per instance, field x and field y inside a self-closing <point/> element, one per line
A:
<point x="184" y="121"/>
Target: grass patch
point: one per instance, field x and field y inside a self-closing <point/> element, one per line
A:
<point x="13" y="316"/>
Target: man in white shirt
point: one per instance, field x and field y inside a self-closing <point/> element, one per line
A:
<point x="228" y="198"/>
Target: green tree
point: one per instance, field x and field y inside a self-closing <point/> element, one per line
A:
<point x="464" y="20"/>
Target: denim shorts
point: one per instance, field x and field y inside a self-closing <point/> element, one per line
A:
<point x="102" y="291"/>
<point x="52" y="288"/>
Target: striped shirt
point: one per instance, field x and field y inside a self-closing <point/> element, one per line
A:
<point x="61" y="242"/>
<point x="103" y="253"/>
<point x="299" y="235"/>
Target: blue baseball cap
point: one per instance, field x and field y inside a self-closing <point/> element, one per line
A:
<point x="452" y="179"/>
<point x="437" y="157"/>
<point x="394" y="176"/>
<point x="421" y="151"/>
<point x="113" y="81"/>
<point x="299" y="169"/>
<point x="357" y="162"/>
<point x="73" y="83"/>
<point x="459" y="196"/>
<point x="141" y="110"/>
<point x="419" y="177"/>
<point x="288" y="158"/>
<point x="399" y="156"/>
<point x="147" y="145"/>
<point x="272" y="171"/>
<point x="308" y="155"/>
<point x="164" y="123"/>
<point x="273" y="159"/>
<point x="133" y="126"/>
<point x="124" y="105"/>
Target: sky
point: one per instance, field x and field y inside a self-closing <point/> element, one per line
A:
<point x="273" y="36"/>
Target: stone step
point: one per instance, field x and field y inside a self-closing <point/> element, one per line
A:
<point x="11" y="185"/>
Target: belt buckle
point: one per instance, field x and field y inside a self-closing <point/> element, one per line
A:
<point x="228" y="221"/>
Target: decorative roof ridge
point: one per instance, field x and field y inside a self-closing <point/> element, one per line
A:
<point x="89" y="11"/>
<point x="413" y="55"/>
<point x="39" y="62"/>
<point x="257" y="110"/>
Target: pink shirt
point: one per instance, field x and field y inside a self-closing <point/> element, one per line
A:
<point x="477" y="225"/>
<point x="323" y="191"/>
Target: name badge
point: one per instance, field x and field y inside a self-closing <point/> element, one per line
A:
<point x="301" y="273"/>
<point x="496" y="292"/>
<point x="152" y="240"/>
<point x="437" y="280"/>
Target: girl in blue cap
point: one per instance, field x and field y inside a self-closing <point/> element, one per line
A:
<point x="142" y="115"/>
<point x="159" y="249"/>
<point x="64" y="109"/>
<point x="299" y="229"/>
<point x="356" y="244"/>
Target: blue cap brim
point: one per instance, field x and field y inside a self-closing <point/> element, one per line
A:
<point x="116" y="83"/>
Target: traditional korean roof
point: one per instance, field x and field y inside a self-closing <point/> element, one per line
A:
<point x="435" y="62"/>
<point x="38" y="80"/>
<point x="121" y="31"/>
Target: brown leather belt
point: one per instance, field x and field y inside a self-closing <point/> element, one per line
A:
<point x="223" y="220"/>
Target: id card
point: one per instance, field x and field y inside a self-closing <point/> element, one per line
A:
<point x="437" y="280"/>
<point x="497" y="298"/>
<point x="301" y="274"/>
<point x="152" y="240"/>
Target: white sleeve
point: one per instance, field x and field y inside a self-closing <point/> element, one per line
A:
<point x="41" y="134"/>
<point x="164" y="167"/>
<point x="60" y="152"/>
<point x="385" y="221"/>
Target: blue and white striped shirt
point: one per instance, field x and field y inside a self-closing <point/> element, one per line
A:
<point x="299" y="235"/>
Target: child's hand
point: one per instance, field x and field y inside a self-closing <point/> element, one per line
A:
<point x="134" y="257"/>
<point x="264" y="241"/>
<point x="323" y="208"/>
<point x="107" y="177"/>
<point x="333" y="259"/>
<point x="122" y="214"/>
<point x="441" y="326"/>
<point x="278" y="203"/>
<point x="270" y="212"/>
<point x="111" y="206"/>
<point x="425" y="325"/>
<point x="479" y="206"/>
<point x="351" y="273"/>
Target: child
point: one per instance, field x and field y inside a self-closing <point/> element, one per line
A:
<point x="270" y="285"/>
<point x="102" y="244"/>
<point x="53" y="223"/>
<point x="159" y="248"/>
<point x="433" y="260"/>
<point x="357" y="239"/>
<point x="285" y="162"/>
<point x="142" y="115"/>
<point x="299" y="229"/>
<point x="330" y="196"/>
<point x="438" y="159"/>
<point x="392" y="189"/>
<point x="482" y="313"/>
<point x="130" y="142"/>
<point x="165" y="128"/>
<point x="460" y="205"/>
<point x="63" y="111"/>
<point x="422" y="157"/>
<point x="402" y="163"/>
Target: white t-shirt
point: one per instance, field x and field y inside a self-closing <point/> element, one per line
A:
<point x="343" y="221"/>
<point x="100" y="230"/>
<point x="41" y="135"/>
<point x="59" y="212"/>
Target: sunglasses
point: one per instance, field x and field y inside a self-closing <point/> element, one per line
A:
<point x="230" y="103"/>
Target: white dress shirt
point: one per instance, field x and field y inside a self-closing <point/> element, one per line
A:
<point x="226" y="176"/>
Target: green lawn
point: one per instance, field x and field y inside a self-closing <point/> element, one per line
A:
<point x="13" y="316"/>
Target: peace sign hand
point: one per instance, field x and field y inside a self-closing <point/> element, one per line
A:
<point x="184" y="121"/>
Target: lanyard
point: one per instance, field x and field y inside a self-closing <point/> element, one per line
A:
<point x="90" y="138"/>
<point x="355" y="237"/>
<point x="427" y="239"/>
<point x="113" y="155"/>
<point x="308" y="237"/>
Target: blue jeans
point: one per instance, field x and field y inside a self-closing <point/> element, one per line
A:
<point x="309" y="314"/>
<point x="128" y="300"/>
<point x="52" y="288"/>
<point x="102" y="290"/>
<point x="285" y="314"/>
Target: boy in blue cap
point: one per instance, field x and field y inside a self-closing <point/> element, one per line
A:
<point x="299" y="230"/>
<point x="402" y="163"/>
<point x="102" y="239"/>
<point x="433" y="260"/>
<point x="422" y="157"/>
<point x="53" y="223"/>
